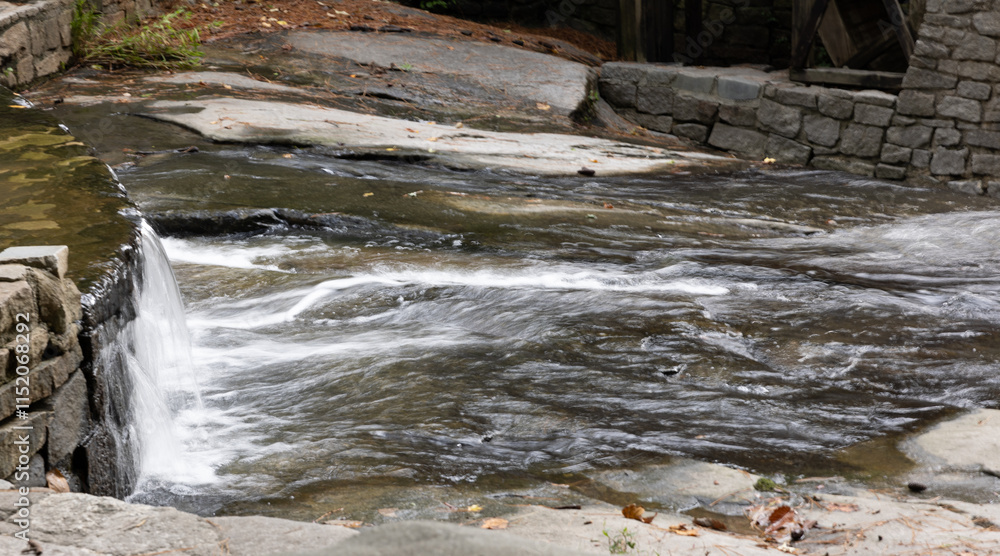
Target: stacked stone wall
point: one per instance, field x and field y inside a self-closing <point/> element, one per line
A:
<point x="36" y="38"/>
<point x="45" y="412"/>
<point x="942" y="128"/>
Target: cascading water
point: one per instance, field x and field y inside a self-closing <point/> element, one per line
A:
<point x="154" y="379"/>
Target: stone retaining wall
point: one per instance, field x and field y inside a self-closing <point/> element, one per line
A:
<point x="42" y="386"/>
<point x="36" y="40"/>
<point x="942" y="128"/>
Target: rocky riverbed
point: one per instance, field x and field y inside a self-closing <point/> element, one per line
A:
<point x="842" y="517"/>
<point x="356" y="97"/>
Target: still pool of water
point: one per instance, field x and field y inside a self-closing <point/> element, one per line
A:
<point x="486" y="335"/>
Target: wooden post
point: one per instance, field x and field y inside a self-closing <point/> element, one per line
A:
<point x="628" y="29"/>
<point x="898" y="21"/>
<point x="693" y="22"/>
<point x="657" y="21"/>
<point x="807" y="18"/>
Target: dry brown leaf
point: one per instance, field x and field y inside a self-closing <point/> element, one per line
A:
<point x="683" y="530"/>
<point x="710" y="523"/>
<point x="633" y="512"/>
<point x="494" y="523"/>
<point x="56" y="481"/>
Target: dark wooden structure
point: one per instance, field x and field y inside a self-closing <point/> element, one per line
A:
<point x="646" y="29"/>
<point x="869" y="42"/>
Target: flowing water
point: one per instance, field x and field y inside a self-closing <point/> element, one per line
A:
<point x="445" y="337"/>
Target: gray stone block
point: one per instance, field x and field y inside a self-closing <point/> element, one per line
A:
<point x="887" y="172"/>
<point x="975" y="70"/>
<point x="629" y="72"/>
<point x="38" y="421"/>
<point x="918" y="78"/>
<point x="969" y="187"/>
<point x="797" y="96"/>
<point x="894" y="154"/>
<point x="835" y="107"/>
<point x="931" y="49"/>
<point x="692" y="109"/>
<point x="734" y="87"/>
<point x="903" y="120"/>
<point x="861" y="140"/>
<point x="54" y="308"/>
<point x="654" y="94"/>
<point x="961" y="108"/>
<point x="921" y="159"/>
<point x="974" y="90"/>
<point x="988" y="164"/>
<point x="15" y="298"/>
<point x="949" y="162"/>
<point x="743" y="141"/>
<point x="695" y="132"/>
<point x="620" y="94"/>
<point x="53" y="258"/>
<point x="70" y="417"/>
<point x="914" y="136"/>
<point x="821" y="130"/>
<point x="878" y="98"/>
<point x="738" y="114"/>
<point x="975" y="47"/>
<point x="993" y="189"/>
<point x="655" y="123"/>
<point x="987" y="23"/>
<point x="947" y="137"/>
<point x="694" y="82"/>
<point x="872" y="115"/>
<point x="779" y="119"/>
<point x="13" y="273"/>
<point x="786" y="150"/>
<point x="915" y="103"/>
<point x="983" y="138"/>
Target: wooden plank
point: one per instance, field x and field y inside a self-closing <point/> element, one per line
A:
<point x="693" y="22"/>
<point x="898" y="22"/>
<point x="628" y="29"/>
<point x="836" y="36"/>
<point x="657" y="30"/>
<point x="807" y="32"/>
<point x="862" y="79"/>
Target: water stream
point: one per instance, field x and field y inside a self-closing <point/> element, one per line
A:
<point x="451" y="336"/>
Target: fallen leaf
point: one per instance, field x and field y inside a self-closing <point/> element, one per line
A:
<point x="414" y="194"/>
<point x="226" y="177"/>
<point x="265" y="24"/>
<point x="338" y="12"/>
<point x="388" y="512"/>
<point x="328" y="14"/>
<point x="288" y="155"/>
<point x="224" y="86"/>
<point x="835" y="507"/>
<point x="459" y="125"/>
<point x="282" y="22"/>
<point x="542" y="106"/>
<point x="494" y="523"/>
<point x="390" y="149"/>
<point x="368" y="194"/>
<point x="213" y="122"/>
<point x="684" y="530"/>
<point x="474" y="507"/>
<point x="432" y="138"/>
<point x="633" y="512"/>
<point x="769" y="160"/>
<point x="56" y="481"/>
<point x="608" y="206"/>
<point x="411" y="130"/>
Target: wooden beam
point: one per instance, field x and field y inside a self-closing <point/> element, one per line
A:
<point x="807" y="33"/>
<point x="864" y="79"/>
<point x="657" y="21"/>
<point x="628" y="29"/>
<point x="898" y="22"/>
<point x="693" y="23"/>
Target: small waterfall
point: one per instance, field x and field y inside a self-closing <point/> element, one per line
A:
<point x="151" y="377"/>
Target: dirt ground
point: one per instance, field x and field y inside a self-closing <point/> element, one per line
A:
<point x="234" y="17"/>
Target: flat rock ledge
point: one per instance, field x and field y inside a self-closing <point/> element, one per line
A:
<point x="970" y="442"/>
<point x="252" y="121"/>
